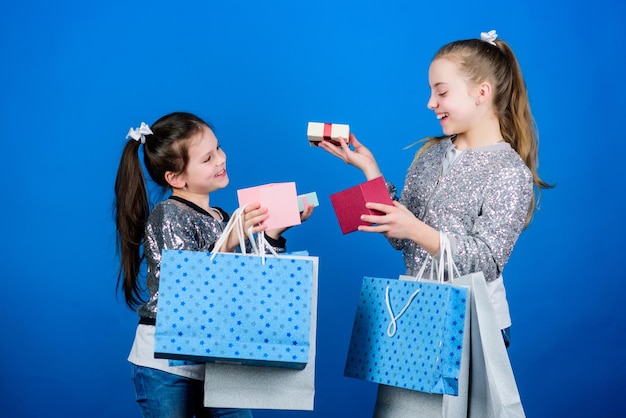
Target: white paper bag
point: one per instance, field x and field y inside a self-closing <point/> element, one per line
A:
<point x="254" y="387"/>
<point x="487" y="387"/>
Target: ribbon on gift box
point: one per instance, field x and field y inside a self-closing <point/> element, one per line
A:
<point x="320" y="131"/>
<point x="328" y="131"/>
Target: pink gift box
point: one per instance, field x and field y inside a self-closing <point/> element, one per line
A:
<point x="318" y="132"/>
<point x="349" y="204"/>
<point x="281" y="200"/>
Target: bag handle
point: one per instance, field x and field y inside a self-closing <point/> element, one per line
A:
<point x="236" y="223"/>
<point x="393" y="326"/>
<point x="438" y="266"/>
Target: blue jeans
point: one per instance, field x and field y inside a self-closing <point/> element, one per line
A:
<point x="165" y="395"/>
<point x="506" y="336"/>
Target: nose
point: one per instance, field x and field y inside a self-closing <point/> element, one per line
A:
<point x="432" y="103"/>
<point x="221" y="156"/>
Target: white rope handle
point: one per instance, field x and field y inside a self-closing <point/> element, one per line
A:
<point x="393" y="326"/>
<point x="260" y="246"/>
<point x="236" y="221"/>
<point x="446" y="262"/>
<point x="439" y="266"/>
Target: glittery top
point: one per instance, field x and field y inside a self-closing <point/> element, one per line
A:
<point x="177" y="224"/>
<point x="480" y="202"/>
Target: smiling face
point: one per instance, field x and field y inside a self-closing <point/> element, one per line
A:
<point x="206" y="169"/>
<point x="452" y="99"/>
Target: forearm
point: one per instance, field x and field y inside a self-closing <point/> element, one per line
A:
<point x="371" y="171"/>
<point x="425" y="236"/>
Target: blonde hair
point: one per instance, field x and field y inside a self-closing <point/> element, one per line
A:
<point x="482" y="61"/>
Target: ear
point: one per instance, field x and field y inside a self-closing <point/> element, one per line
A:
<point x="483" y="92"/>
<point x="176" y="180"/>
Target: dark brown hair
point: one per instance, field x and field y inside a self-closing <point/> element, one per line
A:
<point x="166" y="149"/>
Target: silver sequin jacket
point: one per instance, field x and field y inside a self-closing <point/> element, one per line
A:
<point x="176" y="224"/>
<point x="481" y="203"/>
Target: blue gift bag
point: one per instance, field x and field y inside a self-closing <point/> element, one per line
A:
<point x="234" y="308"/>
<point x="408" y="334"/>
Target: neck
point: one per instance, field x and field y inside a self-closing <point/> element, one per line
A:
<point x="483" y="134"/>
<point x="202" y="200"/>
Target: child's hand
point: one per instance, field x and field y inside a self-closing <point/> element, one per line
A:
<point x="361" y="157"/>
<point x="304" y="215"/>
<point x="253" y="217"/>
<point x="398" y="222"/>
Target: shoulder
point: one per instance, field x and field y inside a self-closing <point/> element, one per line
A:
<point x="511" y="161"/>
<point x="432" y="149"/>
<point x="501" y="158"/>
<point x="508" y="173"/>
<point x="168" y="208"/>
<point x="436" y="143"/>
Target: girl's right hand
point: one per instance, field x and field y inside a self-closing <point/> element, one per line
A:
<point x="360" y="157"/>
<point x="253" y="217"/>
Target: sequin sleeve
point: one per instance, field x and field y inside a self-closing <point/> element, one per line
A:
<point x="480" y="203"/>
<point x="489" y="243"/>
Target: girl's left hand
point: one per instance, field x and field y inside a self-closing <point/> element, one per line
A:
<point x="304" y="215"/>
<point x="397" y="221"/>
<point x="253" y="217"/>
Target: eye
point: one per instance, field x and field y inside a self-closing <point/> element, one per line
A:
<point x="210" y="155"/>
<point x="442" y="94"/>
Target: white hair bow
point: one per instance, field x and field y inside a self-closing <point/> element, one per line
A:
<point x="489" y="37"/>
<point x="140" y="133"/>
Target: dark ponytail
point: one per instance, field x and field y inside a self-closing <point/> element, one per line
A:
<point x="166" y="149"/>
<point x="131" y="212"/>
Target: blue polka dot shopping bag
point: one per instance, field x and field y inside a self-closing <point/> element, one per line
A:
<point x="408" y="334"/>
<point x="486" y="384"/>
<point x="235" y="308"/>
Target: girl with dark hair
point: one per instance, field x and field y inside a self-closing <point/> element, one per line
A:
<point x="182" y="155"/>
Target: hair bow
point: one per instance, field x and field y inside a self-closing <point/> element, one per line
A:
<point x="489" y="37"/>
<point x="140" y="133"/>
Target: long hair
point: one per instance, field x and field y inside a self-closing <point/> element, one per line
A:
<point x="481" y="61"/>
<point x="166" y="149"/>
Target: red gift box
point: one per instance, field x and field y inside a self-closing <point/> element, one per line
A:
<point x="349" y="204"/>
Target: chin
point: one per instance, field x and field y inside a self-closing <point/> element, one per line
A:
<point x="447" y="130"/>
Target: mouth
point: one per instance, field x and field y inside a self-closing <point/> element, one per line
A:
<point x="441" y="116"/>
<point x="221" y="173"/>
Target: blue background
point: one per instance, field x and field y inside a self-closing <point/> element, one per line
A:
<point x="76" y="75"/>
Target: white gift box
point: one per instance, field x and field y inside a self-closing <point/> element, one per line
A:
<point x="319" y="131"/>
